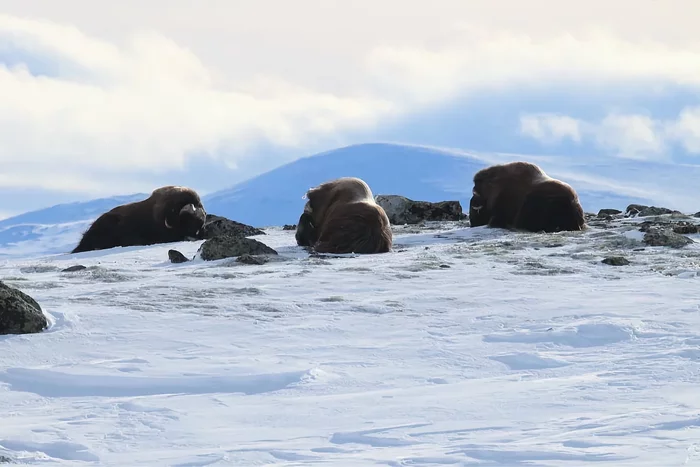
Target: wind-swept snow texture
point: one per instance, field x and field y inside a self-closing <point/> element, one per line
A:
<point x="418" y="172"/>
<point x="461" y="347"/>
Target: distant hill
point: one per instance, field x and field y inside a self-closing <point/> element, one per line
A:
<point x="418" y="172"/>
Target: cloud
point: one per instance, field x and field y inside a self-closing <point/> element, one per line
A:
<point x="550" y="129"/>
<point x="631" y="136"/>
<point x="76" y="109"/>
<point x="70" y="101"/>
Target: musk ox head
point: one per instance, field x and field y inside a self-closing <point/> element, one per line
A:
<point x="478" y="212"/>
<point x="180" y="209"/>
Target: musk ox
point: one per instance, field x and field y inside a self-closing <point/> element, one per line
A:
<point x="341" y="216"/>
<point x="169" y="214"/>
<point x="521" y="196"/>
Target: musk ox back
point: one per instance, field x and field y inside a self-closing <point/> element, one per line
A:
<point x="341" y="216"/>
<point x="169" y="214"/>
<point x="520" y="195"/>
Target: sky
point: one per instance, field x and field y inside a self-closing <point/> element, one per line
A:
<point x="105" y="98"/>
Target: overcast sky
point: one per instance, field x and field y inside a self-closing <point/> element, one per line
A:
<point x="100" y="98"/>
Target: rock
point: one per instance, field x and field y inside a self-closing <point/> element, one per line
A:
<point x="616" y="261"/>
<point x="289" y="227"/>
<point x="402" y="210"/>
<point x="697" y="214"/>
<point x="227" y="246"/>
<point x="77" y="267"/>
<point x="5" y="460"/>
<point x="19" y="313"/>
<point x="685" y="228"/>
<point x="216" y="226"/>
<point x="608" y="212"/>
<point x="252" y="259"/>
<point x="176" y="257"/>
<point x="659" y="236"/>
<point x="639" y="210"/>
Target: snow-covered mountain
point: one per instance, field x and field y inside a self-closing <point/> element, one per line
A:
<point x="418" y="172"/>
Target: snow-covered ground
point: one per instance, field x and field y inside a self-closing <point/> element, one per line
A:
<point x="462" y="347"/>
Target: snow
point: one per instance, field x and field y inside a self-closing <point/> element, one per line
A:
<point x="463" y="346"/>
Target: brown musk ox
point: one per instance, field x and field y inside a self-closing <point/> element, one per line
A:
<point x="521" y="196"/>
<point x="169" y="214"/>
<point x="341" y="216"/>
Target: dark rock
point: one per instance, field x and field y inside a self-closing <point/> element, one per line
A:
<point x="685" y="228"/>
<point x="19" y="313"/>
<point x="176" y="257"/>
<point x="252" y="259"/>
<point x="609" y="212"/>
<point x="660" y="236"/>
<point x="216" y="226"/>
<point x="401" y="210"/>
<point x="77" y="267"/>
<point x="289" y="227"/>
<point x="697" y="214"/>
<point x="5" y="460"/>
<point x="639" y="210"/>
<point x="616" y="261"/>
<point x="227" y="246"/>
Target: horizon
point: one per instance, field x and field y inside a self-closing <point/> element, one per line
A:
<point x="100" y="103"/>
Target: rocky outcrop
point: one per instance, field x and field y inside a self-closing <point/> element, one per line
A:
<point x="216" y="226"/>
<point x="663" y="236"/>
<point x="639" y="210"/>
<point x="289" y="227"/>
<point x="615" y="261"/>
<point x="227" y="246"/>
<point x="609" y="213"/>
<point x="176" y="257"/>
<point x="401" y="210"/>
<point x="19" y="313"/>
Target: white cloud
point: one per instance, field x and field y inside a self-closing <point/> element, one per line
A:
<point x="686" y="129"/>
<point x="623" y="135"/>
<point x="631" y="136"/>
<point x="73" y="103"/>
<point x="550" y="129"/>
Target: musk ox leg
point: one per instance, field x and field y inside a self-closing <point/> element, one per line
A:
<point x="551" y="208"/>
<point x="102" y="234"/>
<point x="306" y="234"/>
<point x="356" y="228"/>
<point x="503" y="211"/>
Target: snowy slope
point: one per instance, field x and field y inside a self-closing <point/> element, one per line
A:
<point x="461" y="347"/>
<point x="55" y="229"/>
<point x="424" y="173"/>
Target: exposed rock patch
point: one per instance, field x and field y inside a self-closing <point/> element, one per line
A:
<point x="227" y="246"/>
<point x="289" y="227"/>
<point x="401" y="210"/>
<point x="176" y="257"/>
<point x="685" y="228"/>
<point x="253" y="259"/>
<point x="616" y="261"/>
<point x="639" y="210"/>
<point x="660" y="236"/>
<point x="77" y="267"/>
<point x="19" y="313"/>
<point x="216" y="226"/>
<point x="609" y="212"/>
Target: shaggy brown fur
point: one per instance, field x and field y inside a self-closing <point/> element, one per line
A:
<point x="169" y="214"/>
<point x="341" y="216"/>
<point x="521" y="196"/>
